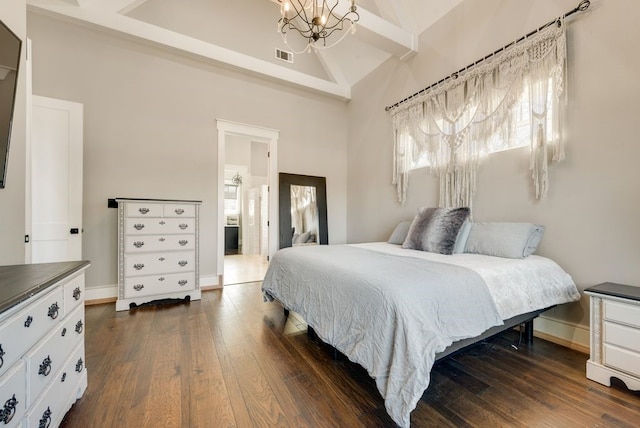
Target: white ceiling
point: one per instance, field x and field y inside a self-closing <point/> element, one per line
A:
<point x="242" y="34"/>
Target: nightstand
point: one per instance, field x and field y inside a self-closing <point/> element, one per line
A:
<point x="615" y="334"/>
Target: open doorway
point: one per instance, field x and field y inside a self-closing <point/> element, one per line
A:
<point x="247" y="201"/>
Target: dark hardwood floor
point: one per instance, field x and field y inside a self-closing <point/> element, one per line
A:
<point x="231" y="360"/>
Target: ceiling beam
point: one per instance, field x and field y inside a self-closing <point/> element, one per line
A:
<point x="142" y="31"/>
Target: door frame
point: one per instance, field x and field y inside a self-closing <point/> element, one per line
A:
<point x="258" y="134"/>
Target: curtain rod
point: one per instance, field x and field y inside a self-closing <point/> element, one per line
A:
<point x="582" y="6"/>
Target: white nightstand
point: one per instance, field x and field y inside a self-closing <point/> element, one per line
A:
<point x="615" y="334"/>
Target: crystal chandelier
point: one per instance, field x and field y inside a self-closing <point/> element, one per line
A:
<point x="316" y="21"/>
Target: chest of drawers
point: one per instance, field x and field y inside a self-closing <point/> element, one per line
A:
<point x="158" y="244"/>
<point x="42" y="370"/>
<point x="615" y="334"/>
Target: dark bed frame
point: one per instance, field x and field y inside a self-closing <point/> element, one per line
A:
<point x="461" y="345"/>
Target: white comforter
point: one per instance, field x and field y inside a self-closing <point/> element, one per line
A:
<point x="390" y="310"/>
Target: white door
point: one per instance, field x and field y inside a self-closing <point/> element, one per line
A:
<point x="56" y="180"/>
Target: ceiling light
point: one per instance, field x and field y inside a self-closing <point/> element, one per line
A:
<point x="317" y="21"/>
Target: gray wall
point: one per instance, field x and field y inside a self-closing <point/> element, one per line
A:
<point x="150" y="129"/>
<point x="12" y="197"/>
<point x="593" y="206"/>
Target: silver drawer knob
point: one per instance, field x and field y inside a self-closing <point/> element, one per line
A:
<point x="138" y="266"/>
<point x="182" y="282"/>
<point x="161" y="239"/>
<point x="183" y="242"/>
<point x="183" y="226"/>
<point x="138" y="244"/>
<point x="138" y="226"/>
<point x="179" y="211"/>
<point x="182" y="263"/>
<point x="143" y="210"/>
<point x="138" y="287"/>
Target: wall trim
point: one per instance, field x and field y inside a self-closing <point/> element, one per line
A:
<point x="571" y="335"/>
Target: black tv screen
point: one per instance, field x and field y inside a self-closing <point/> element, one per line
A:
<point x="10" y="46"/>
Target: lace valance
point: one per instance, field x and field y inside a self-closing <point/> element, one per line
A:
<point x="508" y="100"/>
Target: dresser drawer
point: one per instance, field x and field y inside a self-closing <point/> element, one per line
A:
<point x="143" y="209"/>
<point x="622" y="313"/>
<point x="158" y="226"/>
<point x="622" y="336"/>
<point x="150" y="285"/>
<point x="151" y="264"/>
<point x="621" y="359"/>
<point x="52" y="405"/>
<point x="179" y="210"/>
<point x="147" y="243"/>
<point x="46" y="360"/>
<point x="22" y="331"/>
<point x="12" y="395"/>
<point x="74" y="293"/>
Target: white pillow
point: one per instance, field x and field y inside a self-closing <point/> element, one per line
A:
<point x="510" y="240"/>
<point x="400" y="233"/>
<point x="463" y="236"/>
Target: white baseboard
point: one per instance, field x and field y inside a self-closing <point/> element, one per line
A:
<point x="104" y="293"/>
<point x="571" y="335"/>
<point x="107" y="293"/>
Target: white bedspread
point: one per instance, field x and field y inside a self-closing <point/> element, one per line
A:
<point x="518" y="286"/>
<point x="389" y="309"/>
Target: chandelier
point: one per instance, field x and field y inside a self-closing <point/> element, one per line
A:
<point x="316" y="21"/>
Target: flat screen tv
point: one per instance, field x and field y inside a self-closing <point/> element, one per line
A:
<point x="10" y="46"/>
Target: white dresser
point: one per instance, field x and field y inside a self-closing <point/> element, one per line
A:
<point x="42" y="370"/>
<point x="615" y="334"/>
<point x="157" y="251"/>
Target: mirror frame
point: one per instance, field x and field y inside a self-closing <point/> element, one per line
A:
<point x="286" y="181"/>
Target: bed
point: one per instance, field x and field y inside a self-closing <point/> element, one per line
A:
<point x="395" y="311"/>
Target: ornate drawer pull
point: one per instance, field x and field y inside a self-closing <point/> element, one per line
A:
<point x="1" y="356"/>
<point x="79" y="327"/>
<point x="79" y="365"/>
<point x="183" y="226"/>
<point x="162" y="259"/>
<point x="9" y="410"/>
<point x="161" y="279"/>
<point x="64" y="332"/>
<point x="182" y="282"/>
<point x="53" y="311"/>
<point x="162" y="223"/>
<point x="138" y="226"/>
<point x="179" y="211"/>
<point x="161" y="239"/>
<point x="143" y="210"/>
<point x="28" y="321"/>
<point x="138" y="287"/>
<point x="182" y="263"/>
<point x="77" y="293"/>
<point x="64" y="377"/>
<point x="138" y="266"/>
<point x="183" y="242"/>
<point x="138" y="244"/>
<point x="45" y="367"/>
<point x="45" y="420"/>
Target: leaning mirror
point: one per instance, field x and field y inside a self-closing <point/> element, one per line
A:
<point x="303" y="210"/>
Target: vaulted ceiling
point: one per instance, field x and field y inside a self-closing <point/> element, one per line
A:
<point x="242" y="34"/>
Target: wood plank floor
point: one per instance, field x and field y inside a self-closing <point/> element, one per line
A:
<point x="231" y="360"/>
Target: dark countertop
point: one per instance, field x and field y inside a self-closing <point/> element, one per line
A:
<point x="616" y="290"/>
<point x="19" y="282"/>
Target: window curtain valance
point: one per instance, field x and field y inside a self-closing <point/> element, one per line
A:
<point x="508" y="100"/>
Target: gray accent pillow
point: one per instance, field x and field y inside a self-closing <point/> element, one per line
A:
<point x="510" y="240"/>
<point x="435" y="229"/>
<point x="461" y="240"/>
<point x="400" y="233"/>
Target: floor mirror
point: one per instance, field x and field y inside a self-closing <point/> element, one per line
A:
<point x="303" y="210"/>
